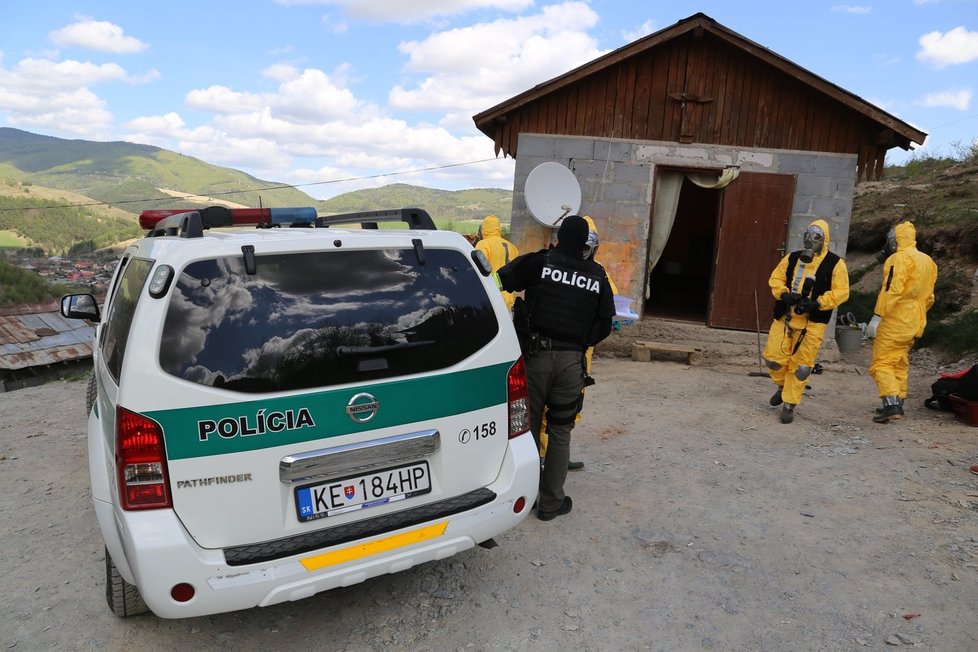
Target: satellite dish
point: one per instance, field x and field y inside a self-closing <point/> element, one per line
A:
<point x="552" y="193"/>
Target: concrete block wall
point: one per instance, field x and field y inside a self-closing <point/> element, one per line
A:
<point x="616" y="179"/>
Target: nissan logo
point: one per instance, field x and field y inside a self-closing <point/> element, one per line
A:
<point x="362" y="407"/>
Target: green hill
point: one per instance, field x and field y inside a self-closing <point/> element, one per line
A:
<point x="443" y="205"/>
<point x="127" y="175"/>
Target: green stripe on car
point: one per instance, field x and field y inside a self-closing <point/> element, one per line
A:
<point x="253" y="425"/>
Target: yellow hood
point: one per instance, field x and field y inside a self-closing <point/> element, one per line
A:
<point x="590" y="223"/>
<point x="490" y="227"/>
<point x="822" y="224"/>
<point x="906" y="235"/>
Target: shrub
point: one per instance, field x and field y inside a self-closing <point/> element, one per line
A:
<point x="956" y="336"/>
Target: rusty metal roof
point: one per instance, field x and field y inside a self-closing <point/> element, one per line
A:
<point x="42" y="338"/>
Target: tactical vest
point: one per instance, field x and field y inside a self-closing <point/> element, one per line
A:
<point x="823" y="282"/>
<point x="566" y="298"/>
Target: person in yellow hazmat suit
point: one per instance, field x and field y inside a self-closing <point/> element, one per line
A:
<point x="497" y="249"/>
<point x="590" y="251"/>
<point x="900" y="315"/>
<point x="807" y="285"/>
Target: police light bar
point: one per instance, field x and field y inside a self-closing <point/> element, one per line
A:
<point x="215" y="216"/>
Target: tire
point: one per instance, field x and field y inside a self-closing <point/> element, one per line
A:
<point x="123" y="598"/>
<point x="90" y="394"/>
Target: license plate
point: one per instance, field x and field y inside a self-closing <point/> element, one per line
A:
<point x="362" y="491"/>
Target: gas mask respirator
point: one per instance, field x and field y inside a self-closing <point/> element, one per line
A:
<point x="812" y="242"/>
<point x="889" y="247"/>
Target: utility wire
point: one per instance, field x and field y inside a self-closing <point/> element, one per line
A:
<point x="275" y="187"/>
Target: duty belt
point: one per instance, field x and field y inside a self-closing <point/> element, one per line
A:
<point x="550" y="344"/>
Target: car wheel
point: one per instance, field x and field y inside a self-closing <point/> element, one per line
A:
<point x="123" y="597"/>
<point x="90" y="394"/>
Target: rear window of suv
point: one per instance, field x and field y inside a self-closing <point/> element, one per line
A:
<point x="317" y="319"/>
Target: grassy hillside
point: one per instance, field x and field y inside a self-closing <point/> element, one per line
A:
<point x="472" y="204"/>
<point x="940" y="197"/>
<point x="56" y="228"/>
<point x="125" y="174"/>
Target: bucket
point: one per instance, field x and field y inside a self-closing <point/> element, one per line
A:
<point x="849" y="339"/>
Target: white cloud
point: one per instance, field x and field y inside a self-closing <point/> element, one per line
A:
<point x="885" y="60"/>
<point x="56" y="96"/>
<point x="39" y="74"/>
<point x="170" y="124"/>
<point x="644" y="29"/>
<point x="951" y="99"/>
<point x="475" y="67"/>
<point x="312" y="128"/>
<point x="97" y="35"/>
<point x="950" y="48"/>
<point x="303" y="98"/>
<point x="409" y="11"/>
<point x="852" y="9"/>
<point x="221" y="99"/>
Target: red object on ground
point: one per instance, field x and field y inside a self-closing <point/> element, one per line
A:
<point x="974" y="469"/>
<point x="910" y="616"/>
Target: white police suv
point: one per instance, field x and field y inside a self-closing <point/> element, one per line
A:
<point x="281" y="411"/>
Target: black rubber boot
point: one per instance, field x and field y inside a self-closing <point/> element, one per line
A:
<point x="776" y="399"/>
<point x="575" y="466"/>
<point x="879" y="410"/>
<point x="787" y="413"/>
<point x="892" y="410"/>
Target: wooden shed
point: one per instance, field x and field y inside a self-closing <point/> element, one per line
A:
<point x="667" y="115"/>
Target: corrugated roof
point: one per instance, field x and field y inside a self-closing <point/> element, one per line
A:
<point x="40" y="339"/>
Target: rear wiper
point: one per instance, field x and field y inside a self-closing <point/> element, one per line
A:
<point x="356" y="351"/>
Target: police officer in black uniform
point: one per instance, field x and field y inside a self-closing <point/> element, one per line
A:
<point x="568" y="306"/>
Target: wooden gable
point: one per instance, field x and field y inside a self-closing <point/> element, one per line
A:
<point x="699" y="82"/>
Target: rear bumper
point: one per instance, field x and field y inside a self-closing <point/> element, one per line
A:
<point x="161" y="554"/>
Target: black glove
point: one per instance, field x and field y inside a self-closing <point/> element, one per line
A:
<point x="806" y="305"/>
<point x="790" y="298"/>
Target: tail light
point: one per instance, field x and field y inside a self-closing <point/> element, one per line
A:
<point x="519" y="402"/>
<point x="140" y="460"/>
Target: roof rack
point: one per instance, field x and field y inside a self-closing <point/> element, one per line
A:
<point x="192" y="223"/>
<point x="415" y="218"/>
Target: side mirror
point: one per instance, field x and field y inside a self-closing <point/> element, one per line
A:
<point x="80" y="306"/>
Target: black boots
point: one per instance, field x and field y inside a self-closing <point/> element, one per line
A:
<point x="787" y="413"/>
<point x="891" y="411"/>
<point x="776" y="399"/>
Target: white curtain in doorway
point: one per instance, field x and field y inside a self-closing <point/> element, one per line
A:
<point x="667" y="187"/>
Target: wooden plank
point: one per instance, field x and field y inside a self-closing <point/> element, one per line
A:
<point x="628" y="103"/>
<point x="658" y="96"/>
<point x="643" y="97"/>
<point x="642" y="351"/>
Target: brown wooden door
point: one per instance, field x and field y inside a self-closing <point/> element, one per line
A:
<point x="751" y="236"/>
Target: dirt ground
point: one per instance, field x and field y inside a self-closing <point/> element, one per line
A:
<point x="700" y="523"/>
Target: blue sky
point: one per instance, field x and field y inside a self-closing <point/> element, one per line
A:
<point x="343" y="93"/>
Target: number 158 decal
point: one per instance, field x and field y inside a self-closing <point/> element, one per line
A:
<point x="480" y="431"/>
